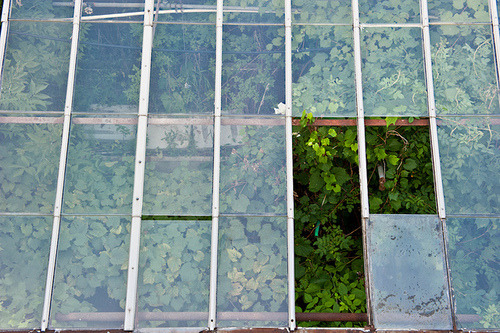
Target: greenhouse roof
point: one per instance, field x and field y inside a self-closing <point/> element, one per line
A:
<point x="146" y="172"/>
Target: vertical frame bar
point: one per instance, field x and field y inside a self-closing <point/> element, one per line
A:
<point x="289" y="165"/>
<point x="135" y="231"/>
<point x="3" y="35"/>
<point x="49" y="285"/>
<point x="212" y="308"/>
<point x="436" y="161"/>
<point x="363" y="172"/>
<point x="496" y="37"/>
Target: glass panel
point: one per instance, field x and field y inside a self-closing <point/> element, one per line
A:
<point x="252" y="272"/>
<point x="183" y="69"/>
<point x="464" y="70"/>
<point x="252" y="176"/>
<point x="393" y="72"/>
<point x="179" y="162"/>
<point x="24" y="252"/>
<point x="458" y="11"/>
<point x="254" y="11"/>
<point x="469" y="158"/>
<point x="253" y="74"/>
<point x="29" y="151"/>
<point x="109" y="68"/>
<point x="100" y="166"/>
<point x="389" y="11"/>
<point x="193" y="11"/>
<point x="323" y="71"/>
<point x="174" y="279"/>
<point x="408" y="283"/>
<point x="473" y="252"/>
<point x="36" y="66"/>
<point x="326" y="11"/>
<point x="42" y="9"/>
<point x="91" y="272"/>
<point x="130" y="10"/>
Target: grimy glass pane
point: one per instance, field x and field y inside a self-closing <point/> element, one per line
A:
<point x="183" y="70"/>
<point x="408" y="283"/>
<point x="470" y="165"/>
<point x="108" y="9"/>
<point x="393" y="72"/>
<point x="24" y="252"/>
<point x="29" y="151"/>
<point x="252" y="272"/>
<point x="91" y="272"/>
<point x="174" y="278"/>
<point x="179" y="163"/>
<point x="42" y="9"/>
<point x="194" y="11"/>
<point x="35" y="69"/>
<point x="108" y="73"/>
<point x="389" y="11"/>
<point x="464" y="70"/>
<point x="473" y="252"/>
<point x="100" y="166"/>
<point x="323" y="71"/>
<point x="458" y="11"/>
<point x="253" y="170"/>
<point x="256" y="11"/>
<point x="326" y="11"/>
<point x="253" y="74"/>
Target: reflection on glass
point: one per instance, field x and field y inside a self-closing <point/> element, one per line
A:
<point x="473" y="252"/>
<point x="130" y="10"/>
<point x="464" y="70"/>
<point x="256" y="11"/>
<point x="183" y="69"/>
<point x="470" y="164"/>
<point x="408" y="282"/>
<point x="330" y="11"/>
<point x="29" y="151"/>
<point x="41" y="9"/>
<point x="36" y="66"/>
<point x="323" y="71"/>
<point x="91" y="272"/>
<point x="393" y="72"/>
<point x="458" y="11"/>
<point x="192" y="11"/>
<point x="100" y="166"/>
<point x="252" y="176"/>
<point x="174" y="273"/>
<point x="253" y="75"/>
<point x="178" y="177"/>
<point x="24" y="254"/>
<point x="108" y="73"/>
<point x="252" y="272"/>
<point x="389" y="11"/>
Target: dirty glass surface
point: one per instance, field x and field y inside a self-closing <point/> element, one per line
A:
<point x="129" y="10"/>
<point x="408" y="283"/>
<point x="29" y="150"/>
<point x="91" y="272"/>
<point x="174" y="273"/>
<point x="393" y="72"/>
<point x="100" y="166"/>
<point x="464" y="70"/>
<point x="42" y="9"/>
<point x="323" y="71"/>
<point x="252" y="272"/>
<point x="24" y="252"/>
<point x="330" y="11"/>
<point x="253" y="70"/>
<point x="260" y="11"/>
<point x="108" y="72"/>
<point x="252" y="175"/>
<point x="35" y="69"/>
<point x="458" y="11"/>
<point x="389" y="11"/>
<point x="183" y="70"/>
<point x="194" y="11"/>
<point x="470" y="156"/>
<point x="179" y="167"/>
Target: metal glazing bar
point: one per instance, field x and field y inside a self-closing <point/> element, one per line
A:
<point x="363" y="172"/>
<point x="3" y="35"/>
<point x="212" y="307"/>
<point x="496" y="37"/>
<point x="62" y="166"/>
<point x="140" y="157"/>
<point x="289" y="165"/>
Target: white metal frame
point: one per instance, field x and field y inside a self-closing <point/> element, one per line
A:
<point x="62" y="166"/>
<point x="496" y="38"/>
<point x="5" y="30"/>
<point x="140" y="162"/>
